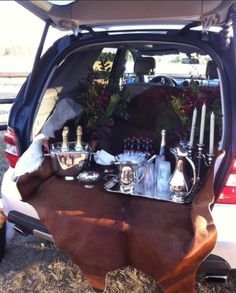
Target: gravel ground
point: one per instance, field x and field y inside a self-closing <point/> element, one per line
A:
<point x="31" y="265"/>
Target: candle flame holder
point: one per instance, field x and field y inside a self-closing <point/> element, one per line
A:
<point x="201" y="161"/>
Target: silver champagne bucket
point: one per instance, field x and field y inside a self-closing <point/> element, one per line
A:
<point x="71" y="161"/>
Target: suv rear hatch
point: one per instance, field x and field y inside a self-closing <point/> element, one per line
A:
<point x="108" y="13"/>
<point x="60" y="16"/>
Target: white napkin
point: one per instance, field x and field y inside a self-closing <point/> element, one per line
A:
<point x="104" y="158"/>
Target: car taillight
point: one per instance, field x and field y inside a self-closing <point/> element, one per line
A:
<point x="228" y="192"/>
<point x="11" y="149"/>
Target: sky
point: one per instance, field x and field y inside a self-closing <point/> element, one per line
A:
<point x="20" y="27"/>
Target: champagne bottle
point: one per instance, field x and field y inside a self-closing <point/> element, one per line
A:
<point x="161" y="156"/>
<point x="162" y="171"/>
<point x="65" y="134"/>
<point x="79" y="132"/>
<point x="162" y="151"/>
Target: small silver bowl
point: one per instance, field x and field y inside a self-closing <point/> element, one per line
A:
<point x="88" y="178"/>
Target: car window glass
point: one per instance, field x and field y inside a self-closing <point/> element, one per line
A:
<point x="129" y="75"/>
<point x="170" y="71"/>
<point x="103" y="65"/>
<point x="181" y="65"/>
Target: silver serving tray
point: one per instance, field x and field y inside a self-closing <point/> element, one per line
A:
<point x="114" y="187"/>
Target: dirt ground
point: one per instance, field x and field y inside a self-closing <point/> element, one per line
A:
<point x="31" y="265"/>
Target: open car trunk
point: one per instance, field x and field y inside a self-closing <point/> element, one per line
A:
<point x="104" y="229"/>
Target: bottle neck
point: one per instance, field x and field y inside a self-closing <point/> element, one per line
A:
<point x="163" y="143"/>
<point x="162" y="151"/>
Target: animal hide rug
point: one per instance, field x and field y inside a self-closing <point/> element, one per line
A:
<point x="105" y="231"/>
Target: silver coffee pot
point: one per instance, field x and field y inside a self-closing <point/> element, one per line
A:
<point x="180" y="184"/>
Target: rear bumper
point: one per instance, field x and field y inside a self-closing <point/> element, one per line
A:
<point x="214" y="264"/>
<point x="20" y="215"/>
<point x="27" y="225"/>
<point x="224" y="216"/>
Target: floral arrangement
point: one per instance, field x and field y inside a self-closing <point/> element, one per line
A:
<point x="99" y="104"/>
<point x="179" y="116"/>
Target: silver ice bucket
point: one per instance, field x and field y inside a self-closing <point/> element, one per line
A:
<point x="70" y="162"/>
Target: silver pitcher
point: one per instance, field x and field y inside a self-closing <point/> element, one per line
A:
<point x="180" y="184"/>
<point x="130" y="174"/>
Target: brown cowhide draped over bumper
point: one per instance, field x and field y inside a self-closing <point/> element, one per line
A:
<point x="103" y="231"/>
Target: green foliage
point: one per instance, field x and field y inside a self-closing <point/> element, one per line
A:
<point x="112" y="105"/>
<point x="106" y="57"/>
<point x="194" y="97"/>
<point x="99" y="104"/>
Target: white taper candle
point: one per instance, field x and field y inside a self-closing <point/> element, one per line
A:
<point x="202" y="126"/>
<point x="212" y="133"/>
<point x="193" y="126"/>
